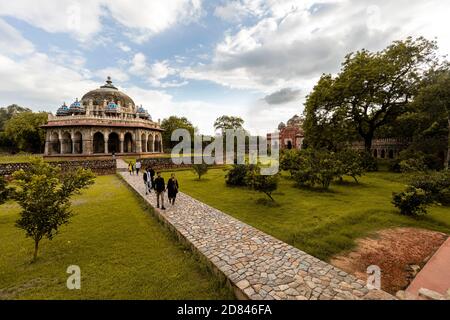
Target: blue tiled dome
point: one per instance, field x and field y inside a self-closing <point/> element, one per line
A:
<point x="142" y="113"/>
<point x="141" y="110"/>
<point x="111" y="107"/>
<point x="75" y="107"/>
<point x="63" y="110"/>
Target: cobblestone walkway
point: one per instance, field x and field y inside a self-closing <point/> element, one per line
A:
<point x="257" y="265"/>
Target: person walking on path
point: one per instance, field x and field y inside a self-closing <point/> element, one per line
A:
<point x="147" y="183"/>
<point x="160" y="187"/>
<point x="138" y="167"/>
<point x="152" y="177"/>
<point x="172" y="189"/>
<point x="130" y="168"/>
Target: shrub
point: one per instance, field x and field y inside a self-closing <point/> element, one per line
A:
<point x="412" y="202"/>
<point x="415" y="161"/>
<point x="435" y="184"/>
<point x="317" y="168"/>
<point x="290" y="161"/>
<point x="200" y="169"/>
<point x="369" y="163"/>
<point x="351" y="164"/>
<point x="237" y="175"/>
<point x="261" y="183"/>
<point x="4" y="192"/>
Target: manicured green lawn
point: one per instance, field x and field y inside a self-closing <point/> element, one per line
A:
<point x="17" y="158"/>
<point x="123" y="253"/>
<point x="320" y="223"/>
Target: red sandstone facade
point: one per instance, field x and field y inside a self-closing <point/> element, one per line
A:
<point x="291" y="136"/>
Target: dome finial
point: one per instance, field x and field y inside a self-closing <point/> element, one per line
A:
<point x="109" y="84"/>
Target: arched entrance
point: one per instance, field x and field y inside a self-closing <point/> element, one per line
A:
<point x="66" y="143"/>
<point x="158" y="144"/>
<point x="55" y="145"/>
<point x="289" y="145"/>
<point x="144" y="142"/>
<point x="150" y="144"/>
<point x="375" y="153"/>
<point x="113" y="143"/>
<point x="128" y="143"/>
<point x="99" y="143"/>
<point x="391" y="154"/>
<point x="78" y="143"/>
<point x="383" y="154"/>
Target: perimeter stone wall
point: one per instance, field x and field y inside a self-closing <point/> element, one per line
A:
<point x="99" y="167"/>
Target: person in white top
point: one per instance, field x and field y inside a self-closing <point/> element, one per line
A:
<point x="138" y="167"/>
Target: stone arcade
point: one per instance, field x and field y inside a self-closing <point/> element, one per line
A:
<point x="105" y="121"/>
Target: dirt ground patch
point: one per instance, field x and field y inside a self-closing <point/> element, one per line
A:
<point x="397" y="252"/>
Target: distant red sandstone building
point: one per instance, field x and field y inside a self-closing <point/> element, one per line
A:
<point x="291" y="136"/>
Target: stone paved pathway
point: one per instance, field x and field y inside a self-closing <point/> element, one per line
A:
<point x="257" y="265"/>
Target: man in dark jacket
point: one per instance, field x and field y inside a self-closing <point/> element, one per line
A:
<point x="152" y="177"/>
<point x="160" y="187"/>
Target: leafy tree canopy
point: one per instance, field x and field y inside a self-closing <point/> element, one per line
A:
<point x="24" y="129"/>
<point x="228" y="123"/>
<point x="8" y="112"/>
<point x="171" y="124"/>
<point x="44" y="194"/>
<point x="371" y="91"/>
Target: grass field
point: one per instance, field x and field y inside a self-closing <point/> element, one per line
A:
<point x="318" y="222"/>
<point x="123" y="253"/>
<point x="17" y="158"/>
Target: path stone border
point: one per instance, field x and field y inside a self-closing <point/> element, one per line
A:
<point x="256" y="265"/>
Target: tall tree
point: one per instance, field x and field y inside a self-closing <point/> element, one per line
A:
<point x="44" y="194"/>
<point x="228" y="123"/>
<point x="433" y="105"/>
<point x="25" y="131"/>
<point x="372" y="89"/>
<point x="8" y="112"/>
<point x="171" y="124"/>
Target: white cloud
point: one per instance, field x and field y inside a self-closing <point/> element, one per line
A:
<point x="293" y="42"/>
<point x="237" y="10"/>
<point x="12" y="42"/>
<point x="80" y="18"/>
<point x="124" y="47"/>
<point x="117" y="74"/>
<point x="155" y="74"/>
<point x="36" y="81"/>
<point x="83" y="18"/>
<point x="139" y="64"/>
<point x="162" y="105"/>
<point x="145" y="18"/>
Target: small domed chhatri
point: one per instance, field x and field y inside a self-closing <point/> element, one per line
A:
<point x="104" y="121"/>
<point x="112" y="107"/>
<point x="63" y="110"/>
<point x="76" y="107"/>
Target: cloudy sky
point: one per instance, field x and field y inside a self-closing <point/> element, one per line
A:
<point x="200" y="59"/>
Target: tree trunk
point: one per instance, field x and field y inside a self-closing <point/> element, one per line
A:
<point x="368" y="143"/>
<point x="270" y="196"/>
<point x="36" y="248"/>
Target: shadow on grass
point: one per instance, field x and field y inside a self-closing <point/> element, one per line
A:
<point x="351" y="184"/>
<point x="318" y="190"/>
<point x="267" y="203"/>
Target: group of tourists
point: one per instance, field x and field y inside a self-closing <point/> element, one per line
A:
<point x="157" y="184"/>
<point x="134" y="168"/>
